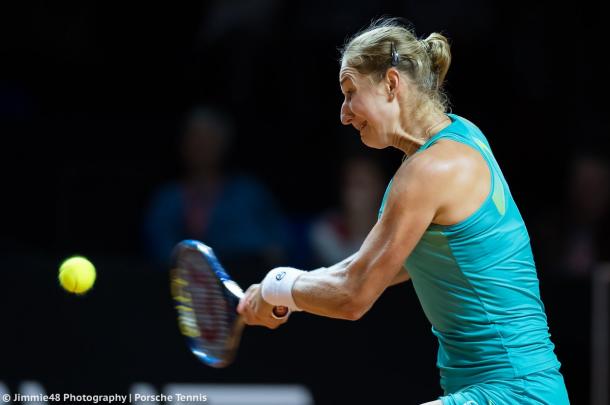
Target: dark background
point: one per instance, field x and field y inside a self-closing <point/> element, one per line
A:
<point x="92" y="96"/>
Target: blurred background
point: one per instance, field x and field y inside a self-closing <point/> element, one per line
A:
<point x="127" y="127"/>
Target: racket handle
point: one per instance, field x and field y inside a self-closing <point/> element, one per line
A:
<point x="280" y="312"/>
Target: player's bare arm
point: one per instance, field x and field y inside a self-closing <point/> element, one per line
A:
<point x="421" y="193"/>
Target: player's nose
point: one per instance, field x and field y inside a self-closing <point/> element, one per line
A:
<point x="346" y="115"/>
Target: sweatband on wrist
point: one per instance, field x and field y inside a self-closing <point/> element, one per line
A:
<point x="276" y="287"/>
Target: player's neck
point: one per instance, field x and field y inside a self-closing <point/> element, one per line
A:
<point x="407" y="143"/>
<point x="410" y="140"/>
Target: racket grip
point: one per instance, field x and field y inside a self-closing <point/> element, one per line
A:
<point x="280" y="312"/>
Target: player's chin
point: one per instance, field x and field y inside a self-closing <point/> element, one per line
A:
<point x="371" y="141"/>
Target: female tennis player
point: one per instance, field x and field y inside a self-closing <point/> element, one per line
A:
<point x="447" y="221"/>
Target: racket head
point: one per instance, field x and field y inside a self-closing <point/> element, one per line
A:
<point x="206" y="302"/>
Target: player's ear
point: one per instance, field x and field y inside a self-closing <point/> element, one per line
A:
<point x="392" y="82"/>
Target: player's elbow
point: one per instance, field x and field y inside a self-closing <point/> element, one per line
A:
<point x="354" y="306"/>
<point x="353" y="313"/>
<point x="357" y="297"/>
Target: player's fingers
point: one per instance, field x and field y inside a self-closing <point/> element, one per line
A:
<point x="276" y="322"/>
<point x="253" y="320"/>
<point x="265" y="321"/>
<point x="269" y="321"/>
<point x="274" y="325"/>
<point x="280" y="322"/>
<point x="250" y="318"/>
<point x="255" y="311"/>
<point x="241" y="306"/>
<point x="245" y="303"/>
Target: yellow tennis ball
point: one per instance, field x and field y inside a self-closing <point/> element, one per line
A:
<point x="77" y="275"/>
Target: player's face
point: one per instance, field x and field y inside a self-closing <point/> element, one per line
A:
<point x="366" y="107"/>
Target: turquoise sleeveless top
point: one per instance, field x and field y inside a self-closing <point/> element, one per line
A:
<point x="477" y="284"/>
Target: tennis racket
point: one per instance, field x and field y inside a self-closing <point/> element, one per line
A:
<point x="206" y="301"/>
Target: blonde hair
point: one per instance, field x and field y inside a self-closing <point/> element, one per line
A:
<point x="387" y="43"/>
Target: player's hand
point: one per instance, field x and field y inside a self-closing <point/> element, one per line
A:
<point x="256" y="311"/>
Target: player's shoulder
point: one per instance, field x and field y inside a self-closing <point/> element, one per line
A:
<point x="445" y="157"/>
<point x="444" y="163"/>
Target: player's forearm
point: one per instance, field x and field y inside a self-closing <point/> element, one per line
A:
<point x="335" y="291"/>
<point x="325" y="292"/>
<point x="345" y="290"/>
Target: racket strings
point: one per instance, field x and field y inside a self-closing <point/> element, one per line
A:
<point x="211" y="310"/>
<point x="206" y="302"/>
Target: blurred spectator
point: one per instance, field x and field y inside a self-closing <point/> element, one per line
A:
<point x="339" y="233"/>
<point x="234" y="214"/>
<point x="575" y="237"/>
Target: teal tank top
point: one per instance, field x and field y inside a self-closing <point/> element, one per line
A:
<point x="477" y="284"/>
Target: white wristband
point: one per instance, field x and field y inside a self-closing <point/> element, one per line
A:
<point x="276" y="287"/>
